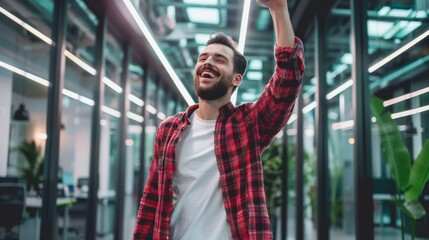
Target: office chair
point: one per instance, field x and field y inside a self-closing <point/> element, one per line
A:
<point x="12" y="205"/>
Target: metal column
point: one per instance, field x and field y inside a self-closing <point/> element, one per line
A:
<point x="299" y="183"/>
<point x="94" y="178"/>
<point x="123" y="130"/>
<point x="362" y="119"/>
<point x="53" y="125"/>
<point x="321" y="127"/>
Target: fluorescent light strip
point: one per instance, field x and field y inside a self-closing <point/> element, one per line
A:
<point x="112" y="85"/>
<point x="381" y="63"/>
<point x="158" y="51"/>
<point x="398" y="52"/>
<point x="29" y="28"/>
<point x="343" y="125"/>
<point x="25" y="74"/>
<point x="135" y="117"/>
<point x="78" y="97"/>
<point x="70" y="94"/>
<point x="135" y="100"/>
<point x="243" y="27"/>
<point x="87" y="101"/>
<point x="161" y="115"/>
<point x="242" y="40"/>
<point x="111" y="111"/>
<point x="151" y="109"/>
<point x="410" y="112"/>
<point x="80" y="63"/>
<point x="309" y="107"/>
<point x="339" y="89"/>
<point x="68" y="54"/>
<point x="292" y="118"/>
<point x="405" y="97"/>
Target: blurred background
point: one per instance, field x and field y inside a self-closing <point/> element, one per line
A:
<point x="85" y="83"/>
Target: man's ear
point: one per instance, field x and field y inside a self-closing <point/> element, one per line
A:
<point x="237" y="79"/>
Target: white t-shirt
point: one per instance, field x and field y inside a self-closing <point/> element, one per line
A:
<point x="199" y="212"/>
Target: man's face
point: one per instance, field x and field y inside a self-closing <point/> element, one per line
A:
<point x="214" y="72"/>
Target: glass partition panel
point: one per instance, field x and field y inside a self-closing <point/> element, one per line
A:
<point x="133" y="147"/>
<point x="340" y="122"/>
<point x="398" y="67"/>
<point x="77" y="106"/>
<point x="291" y="131"/>
<point x="109" y="145"/>
<point x="25" y="46"/>
<point x="151" y="123"/>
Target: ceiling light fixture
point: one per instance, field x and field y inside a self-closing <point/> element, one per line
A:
<point x="309" y="107"/>
<point x="135" y="117"/>
<point x="151" y="109"/>
<point x="135" y="100"/>
<point x="67" y="53"/>
<point x="111" y="111"/>
<point x="151" y="40"/>
<point x="410" y="112"/>
<point x="339" y="89"/>
<point x="405" y="97"/>
<point x="80" y="63"/>
<point x="343" y="125"/>
<point x="115" y="87"/>
<point x="242" y="39"/>
<point x="27" y="27"/>
<point x="161" y="115"/>
<point x="398" y="52"/>
<point x="292" y="118"/>
<point x="25" y="74"/>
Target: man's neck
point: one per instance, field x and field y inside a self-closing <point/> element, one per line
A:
<point x="209" y="109"/>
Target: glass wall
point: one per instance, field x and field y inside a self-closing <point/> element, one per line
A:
<point x="110" y="127"/>
<point x="79" y="85"/>
<point x="25" y="48"/>
<point x="340" y="137"/>
<point x="133" y="143"/>
<point x="399" y="80"/>
<point x="25" y="52"/>
<point x="309" y="148"/>
<point x="152" y="122"/>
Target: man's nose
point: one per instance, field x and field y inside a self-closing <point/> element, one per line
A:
<point x="208" y="62"/>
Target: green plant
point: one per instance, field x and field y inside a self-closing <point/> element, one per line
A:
<point x="33" y="169"/>
<point x="273" y="167"/>
<point x="410" y="178"/>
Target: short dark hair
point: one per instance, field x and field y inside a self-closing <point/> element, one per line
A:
<point x="240" y="62"/>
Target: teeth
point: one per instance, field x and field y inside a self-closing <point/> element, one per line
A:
<point x="208" y="73"/>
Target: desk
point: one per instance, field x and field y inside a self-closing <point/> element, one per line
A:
<point x="36" y="202"/>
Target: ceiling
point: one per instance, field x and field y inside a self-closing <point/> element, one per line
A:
<point x="182" y="27"/>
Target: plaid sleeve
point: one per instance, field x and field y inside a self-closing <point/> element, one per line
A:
<point x="148" y="204"/>
<point x="275" y="105"/>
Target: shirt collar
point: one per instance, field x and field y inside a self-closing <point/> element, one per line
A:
<point x="226" y="110"/>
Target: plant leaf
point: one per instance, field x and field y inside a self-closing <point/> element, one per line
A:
<point x="419" y="174"/>
<point x="396" y="153"/>
<point x="416" y="209"/>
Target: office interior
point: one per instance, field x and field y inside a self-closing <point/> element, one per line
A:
<point x="85" y="83"/>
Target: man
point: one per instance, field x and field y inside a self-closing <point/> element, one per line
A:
<point x="205" y="180"/>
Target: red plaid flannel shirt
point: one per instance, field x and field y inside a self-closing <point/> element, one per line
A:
<point x="241" y="134"/>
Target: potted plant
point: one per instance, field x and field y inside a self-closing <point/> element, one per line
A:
<point x="410" y="178"/>
<point x="32" y="171"/>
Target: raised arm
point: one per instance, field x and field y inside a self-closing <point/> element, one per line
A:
<point x="285" y="36"/>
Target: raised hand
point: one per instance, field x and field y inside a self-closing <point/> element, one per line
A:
<point x="273" y="4"/>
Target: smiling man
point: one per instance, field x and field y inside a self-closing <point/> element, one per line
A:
<point x="206" y="180"/>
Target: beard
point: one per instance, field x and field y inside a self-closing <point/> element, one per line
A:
<point x="218" y="90"/>
<point x="214" y="92"/>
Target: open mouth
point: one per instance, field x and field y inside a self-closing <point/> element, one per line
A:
<point x="208" y="73"/>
